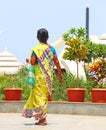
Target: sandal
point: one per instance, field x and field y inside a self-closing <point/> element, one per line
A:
<point x="41" y="122"/>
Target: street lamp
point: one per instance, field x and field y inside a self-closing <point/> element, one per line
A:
<point x="87" y="21"/>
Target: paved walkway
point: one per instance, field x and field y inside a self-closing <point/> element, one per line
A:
<point x="14" y="121"/>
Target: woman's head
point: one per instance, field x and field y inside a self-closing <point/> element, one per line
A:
<point x="42" y="35"/>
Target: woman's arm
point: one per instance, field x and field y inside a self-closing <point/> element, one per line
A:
<point x="60" y="75"/>
<point x="32" y="59"/>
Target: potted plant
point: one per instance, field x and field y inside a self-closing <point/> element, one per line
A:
<point x="76" y="49"/>
<point x="11" y="92"/>
<point x="97" y="73"/>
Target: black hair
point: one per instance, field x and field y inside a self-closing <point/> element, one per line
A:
<point x="42" y="35"/>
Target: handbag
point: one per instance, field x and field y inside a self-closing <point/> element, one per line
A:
<point x="31" y="76"/>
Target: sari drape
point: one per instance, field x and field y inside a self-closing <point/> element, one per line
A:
<point x="37" y="103"/>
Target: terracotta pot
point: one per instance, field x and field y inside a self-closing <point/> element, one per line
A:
<point x="98" y="95"/>
<point x="13" y="94"/>
<point x="76" y="94"/>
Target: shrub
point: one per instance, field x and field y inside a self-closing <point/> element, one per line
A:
<point x="19" y="80"/>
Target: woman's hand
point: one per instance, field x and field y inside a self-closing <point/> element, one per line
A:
<point x="27" y="60"/>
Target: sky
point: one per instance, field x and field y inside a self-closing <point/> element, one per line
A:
<point x="20" y="20"/>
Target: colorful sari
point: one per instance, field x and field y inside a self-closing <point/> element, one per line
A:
<point x="37" y="103"/>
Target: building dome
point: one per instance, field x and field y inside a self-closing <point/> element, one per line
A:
<point x="9" y="64"/>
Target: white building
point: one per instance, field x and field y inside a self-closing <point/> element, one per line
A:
<point x="98" y="39"/>
<point x="9" y="64"/>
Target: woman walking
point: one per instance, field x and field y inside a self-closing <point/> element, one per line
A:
<point x="43" y="58"/>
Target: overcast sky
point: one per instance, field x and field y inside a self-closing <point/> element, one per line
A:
<point x="20" y="20"/>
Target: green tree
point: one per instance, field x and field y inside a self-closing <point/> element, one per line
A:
<point x="76" y="46"/>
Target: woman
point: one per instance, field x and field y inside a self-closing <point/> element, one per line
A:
<point x="43" y="58"/>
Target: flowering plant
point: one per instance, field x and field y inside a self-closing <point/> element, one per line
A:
<point x="97" y="72"/>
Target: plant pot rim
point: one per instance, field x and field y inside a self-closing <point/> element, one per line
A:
<point x="13" y="89"/>
<point x="76" y="88"/>
<point x="101" y="89"/>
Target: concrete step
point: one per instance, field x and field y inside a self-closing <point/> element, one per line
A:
<point x="59" y="107"/>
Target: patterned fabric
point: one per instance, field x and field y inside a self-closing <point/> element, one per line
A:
<point x="37" y="103"/>
<point x="45" y="60"/>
